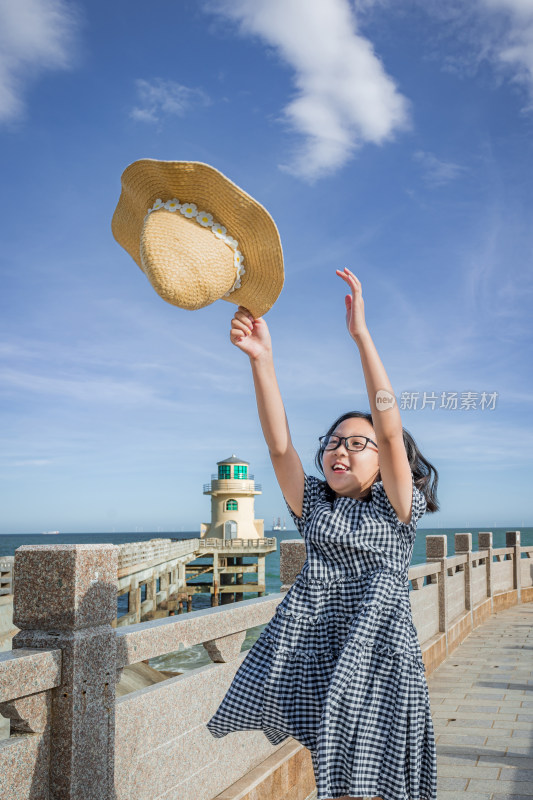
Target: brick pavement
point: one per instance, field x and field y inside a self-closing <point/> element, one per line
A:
<point x="482" y="711"/>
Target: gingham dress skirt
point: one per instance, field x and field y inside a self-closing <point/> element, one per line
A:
<point x="339" y="666"/>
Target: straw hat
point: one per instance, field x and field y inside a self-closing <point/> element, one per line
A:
<point x="197" y="236"/>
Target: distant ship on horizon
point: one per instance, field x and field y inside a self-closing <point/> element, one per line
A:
<point x="276" y="526"/>
<point x="49" y="533"/>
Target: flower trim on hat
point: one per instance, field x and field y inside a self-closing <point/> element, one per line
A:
<point x="205" y="219"/>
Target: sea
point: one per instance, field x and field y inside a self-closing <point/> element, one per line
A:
<point x="191" y="658"/>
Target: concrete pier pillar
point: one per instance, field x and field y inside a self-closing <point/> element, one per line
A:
<point x="226" y="579"/>
<point x="134" y="601"/>
<point x="164" y="584"/>
<point x="261" y="574"/>
<point x="216" y="580"/>
<point x="151" y="590"/>
<point x="239" y="580"/>
<point x="66" y="597"/>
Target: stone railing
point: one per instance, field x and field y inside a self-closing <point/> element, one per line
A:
<point x="72" y="738"/>
<point x="6" y="575"/>
<point x="238" y="544"/>
<point x="154" y="551"/>
<point x="160" y="550"/>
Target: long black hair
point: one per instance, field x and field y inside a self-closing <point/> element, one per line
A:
<point x="425" y="475"/>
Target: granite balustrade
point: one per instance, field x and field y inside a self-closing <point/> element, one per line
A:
<point x="72" y="738"/>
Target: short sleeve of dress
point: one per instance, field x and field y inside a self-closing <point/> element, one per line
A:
<point x="384" y="507"/>
<point x="312" y="493"/>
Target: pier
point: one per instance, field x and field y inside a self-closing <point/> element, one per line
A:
<point x="71" y="737"/>
<point x="166" y="568"/>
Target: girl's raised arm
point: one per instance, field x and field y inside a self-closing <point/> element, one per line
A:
<point x="393" y="462"/>
<point x="253" y="337"/>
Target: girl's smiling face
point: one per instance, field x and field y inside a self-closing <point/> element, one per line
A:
<point x="362" y="467"/>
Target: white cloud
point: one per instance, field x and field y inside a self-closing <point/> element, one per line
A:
<point x="495" y="32"/>
<point x="497" y="281"/>
<point x="88" y="389"/>
<point x="522" y="8"/>
<point x="515" y="48"/>
<point x="436" y="171"/>
<point x="162" y="97"/>
<point x="35" y="35"/>
<point x="344" y="96"/>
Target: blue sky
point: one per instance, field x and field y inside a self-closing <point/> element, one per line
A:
<point x="390" y="137"/>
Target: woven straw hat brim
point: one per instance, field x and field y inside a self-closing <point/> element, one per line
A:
<point x="244" y="218"/>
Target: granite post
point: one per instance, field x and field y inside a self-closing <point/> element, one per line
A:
<point x="463" y="544"/>
<point x="484" y="542"/>
<point x="512" y="539"/>
<point x="65" y="596"/>
<point x="291" y="561"/>
<point x="437" y="550"/>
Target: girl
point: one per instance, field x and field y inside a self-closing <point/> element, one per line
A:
<point x="339" y="666"/>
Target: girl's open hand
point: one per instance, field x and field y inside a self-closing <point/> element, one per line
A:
<point x="249" y="334"/>
<point x="355" y="307"/>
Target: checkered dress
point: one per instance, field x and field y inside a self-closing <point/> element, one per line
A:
<point x="339" y="666"/>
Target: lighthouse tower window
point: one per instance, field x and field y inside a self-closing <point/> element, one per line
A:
<point x="224" y="471"/>
<point x="232" y="505"/>
<point x="241" y="471"/>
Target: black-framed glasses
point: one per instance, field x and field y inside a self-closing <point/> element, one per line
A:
<point x="356" y="443"/>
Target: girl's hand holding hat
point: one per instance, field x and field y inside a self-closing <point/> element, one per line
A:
<point x="355" y="307"/>
<point x="250" y="335"/>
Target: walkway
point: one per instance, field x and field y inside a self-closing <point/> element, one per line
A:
<point x="482" y="710"/>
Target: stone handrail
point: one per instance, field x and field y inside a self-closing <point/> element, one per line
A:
<point x="254" y="544"/>
<point x="67" y="657"/>
<point x="25" y="672"/>
<point x="6" y="575"/>
<point x="209" y="627"/>
<point x="160" y="550"/>
<point x="135" y="553"/>
<point x="148" y="552"/>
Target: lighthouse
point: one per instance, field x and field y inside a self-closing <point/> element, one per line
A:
<point x="232" y="491"/>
